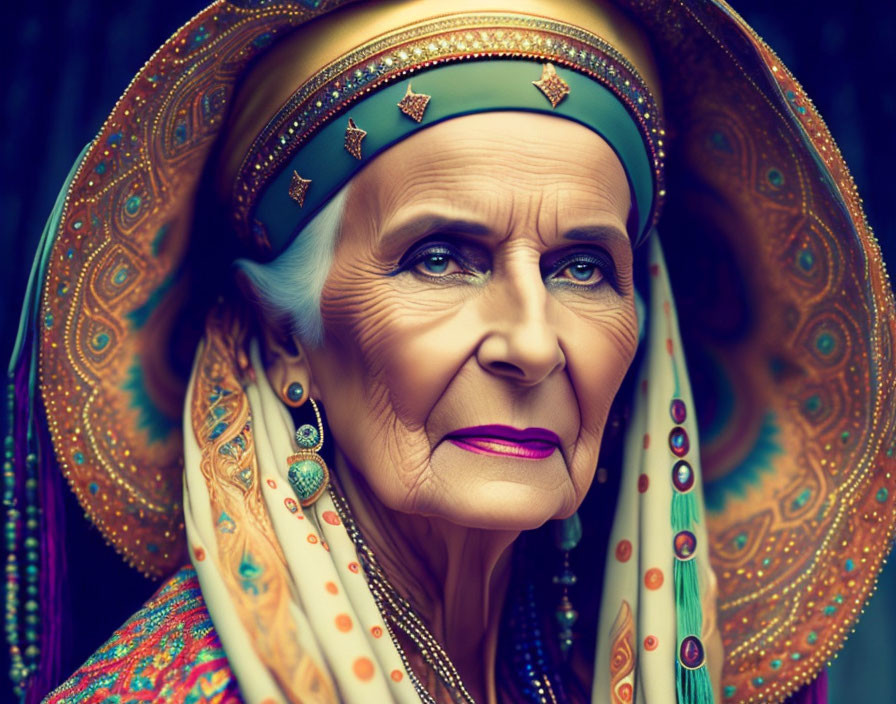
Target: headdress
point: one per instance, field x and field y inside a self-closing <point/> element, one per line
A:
<point x="785" y="311"/>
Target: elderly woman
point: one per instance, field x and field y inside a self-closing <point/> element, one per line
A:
<point x="440" y="439"/>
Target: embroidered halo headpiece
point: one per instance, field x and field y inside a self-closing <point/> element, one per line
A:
<point x="387" y="89"/>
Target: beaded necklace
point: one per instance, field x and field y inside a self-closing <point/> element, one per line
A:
<point x="534" y="674"/>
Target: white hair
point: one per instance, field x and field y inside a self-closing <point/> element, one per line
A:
<point x="290" y="286"/>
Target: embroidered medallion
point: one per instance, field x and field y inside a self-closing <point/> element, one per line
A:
<point x="353" y="137"/>
<point x="414" y="104"/>
<point x="298" y="188"/>
<point x="555" y="89"/>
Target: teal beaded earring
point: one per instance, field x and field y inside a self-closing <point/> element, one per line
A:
<point x="308" y="474"/>
<point x="567" y="534"/>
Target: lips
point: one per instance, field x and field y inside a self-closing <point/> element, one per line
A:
<point x="530" y="444"/>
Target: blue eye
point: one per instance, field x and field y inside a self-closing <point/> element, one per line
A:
<point x="435" y="263"/>
<point x="581" y="271"/>
<point x="436" y="260"/>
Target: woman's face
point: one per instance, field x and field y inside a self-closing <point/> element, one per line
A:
<point x="479" y="319"/>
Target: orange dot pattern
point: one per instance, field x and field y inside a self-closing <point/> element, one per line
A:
<point x="363" y="669"/>
<point x="344" y="623"/>
<point x="653" y="578"/>
<point x="623" y="550"/>
<point x="643" y="483"/>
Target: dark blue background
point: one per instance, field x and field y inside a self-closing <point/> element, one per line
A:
<point x="64" y="65"/>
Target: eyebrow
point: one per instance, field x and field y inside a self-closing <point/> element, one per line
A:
<point x="597" y="233"/>
<point x="430" y="223"/>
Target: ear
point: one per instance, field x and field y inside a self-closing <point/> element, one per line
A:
<point x="285" y="362"/>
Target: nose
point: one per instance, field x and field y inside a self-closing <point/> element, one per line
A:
<point x="521" y="344"/>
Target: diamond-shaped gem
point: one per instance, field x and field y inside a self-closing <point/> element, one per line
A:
<point x="414" y="104"/>
<point x="298" y="187"/>
<point x="555" y="89"/>
<point x="353" y="137"/>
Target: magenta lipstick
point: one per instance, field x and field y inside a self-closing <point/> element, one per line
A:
<point x="529" y="444"/>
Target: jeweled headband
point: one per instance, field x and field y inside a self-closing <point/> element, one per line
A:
<point x="405" y="81"/>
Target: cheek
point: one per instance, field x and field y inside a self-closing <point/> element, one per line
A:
<point x="598" y="359"/>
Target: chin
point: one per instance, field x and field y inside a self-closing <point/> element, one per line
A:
<point x="496" y="492"/>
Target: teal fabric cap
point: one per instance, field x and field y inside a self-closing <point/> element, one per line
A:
<point x="455" y="89"/>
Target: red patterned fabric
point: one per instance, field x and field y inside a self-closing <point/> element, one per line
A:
<point x="168" y="651"/>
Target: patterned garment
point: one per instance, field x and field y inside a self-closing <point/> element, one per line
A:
<point x="168" y="651"/>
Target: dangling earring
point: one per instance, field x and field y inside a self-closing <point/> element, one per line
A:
<point x="567" y="534"/>
<point x="308" y="474"/>
<point x="293" y="395"/>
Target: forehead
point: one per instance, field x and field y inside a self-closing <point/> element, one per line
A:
<point x="497" y="165"/>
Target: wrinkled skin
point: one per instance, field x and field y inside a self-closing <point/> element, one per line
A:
<point x="483" y="276"/>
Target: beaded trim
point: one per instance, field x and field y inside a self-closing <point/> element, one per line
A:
<point x="397" y="55"/>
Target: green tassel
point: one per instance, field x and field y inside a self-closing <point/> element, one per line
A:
<point x="688" y="612"/>
<point x="693" y="685"/>
<point x="685" y="513"/>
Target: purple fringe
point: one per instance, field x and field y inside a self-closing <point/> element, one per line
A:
<point x="816" y="692"/>
<point x="51" y="531"/>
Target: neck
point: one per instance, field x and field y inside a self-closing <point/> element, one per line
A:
<point x="454" y="577"/>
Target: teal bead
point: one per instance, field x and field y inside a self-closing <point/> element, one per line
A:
<point x="307" y="436"/>
<point x="566" y="617"/>
<point x="306" y="478"/>
<point x="567" y="578"/>
<point x="568" y="532"/>
<point x="294" y="392"/>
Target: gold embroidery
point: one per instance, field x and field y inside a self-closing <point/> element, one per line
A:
<point x="298" y="188"/>
<point x="555" y="89"/>
<point x="353" y="137"/>
<point x="414" y="104"/>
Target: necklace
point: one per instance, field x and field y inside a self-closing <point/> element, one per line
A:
<point x="538" y="681"/>
<point x="399" y="615"/>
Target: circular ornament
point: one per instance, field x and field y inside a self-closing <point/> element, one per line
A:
<point x="678" y="411"/>
<point x="685" y="545"/>
<point x="691" y="654"/>
<point x="308" y="477"/>
<point x="683" y="476"/>
<point x="679" y="442"/>
<point x="294" y="392"/>
<point x="307" y="437"/>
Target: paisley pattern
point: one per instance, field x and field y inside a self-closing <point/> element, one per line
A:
<point x="249" y="559"/>
<point x="168" y="651"/>
<point x="622" y="656"/>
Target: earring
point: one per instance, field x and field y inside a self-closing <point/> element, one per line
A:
<point x="308" y="474"/>
<point x="293" y="394"/>
<point x="567" y="534"/>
